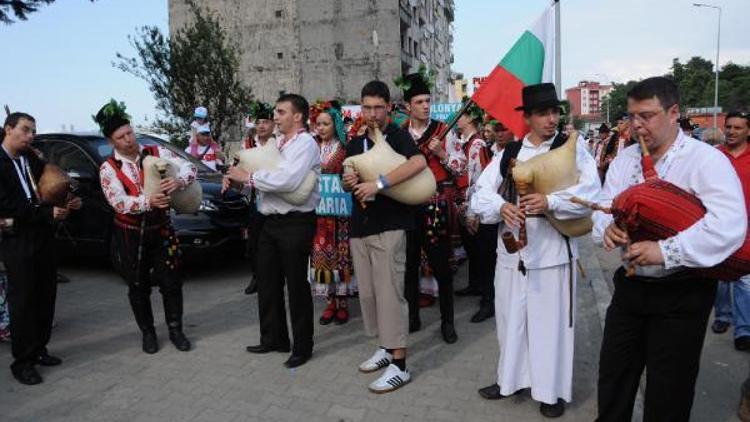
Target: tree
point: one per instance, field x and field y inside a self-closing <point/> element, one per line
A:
<point x="617" y="100"/>
<point x="20" y="9"/>
<point x="198" y="65"/>
<point x="696" y="80"/>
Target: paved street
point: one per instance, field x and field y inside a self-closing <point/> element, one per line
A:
<point x="105" y="376"/>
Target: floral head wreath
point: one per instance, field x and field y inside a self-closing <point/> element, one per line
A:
<point x="333" y="108"/>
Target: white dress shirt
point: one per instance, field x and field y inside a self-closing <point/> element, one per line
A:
<point x="300" y="154"/>
<point x="546" y="247"/>
<point x="706" y="173"/>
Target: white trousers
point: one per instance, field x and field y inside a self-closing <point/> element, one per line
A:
<point x="536" y="341"/>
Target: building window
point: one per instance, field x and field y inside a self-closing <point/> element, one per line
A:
<point x="279" y="55"/>
<point x="416" y="49"/>
<point x="279" y="13"/>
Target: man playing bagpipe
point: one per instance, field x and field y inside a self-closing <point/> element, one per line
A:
<point x="143" y="238"/>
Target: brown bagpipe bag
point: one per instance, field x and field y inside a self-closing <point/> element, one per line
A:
<point x="657" y="210"/>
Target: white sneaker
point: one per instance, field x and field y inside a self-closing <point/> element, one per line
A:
<point x="392" y="379"/>
<point x="379" y="360"/>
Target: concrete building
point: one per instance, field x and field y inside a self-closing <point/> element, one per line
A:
<point x="331" y="48"/>
<point x="586" y="100"/>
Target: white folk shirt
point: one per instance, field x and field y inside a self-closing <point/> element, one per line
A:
<point x="703" y="171"/>
<point x="546" y="247"/>
<point x="115" y="192"/>
<point x="300" y="154"/>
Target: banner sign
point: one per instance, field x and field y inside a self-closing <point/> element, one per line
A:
<point x="442" y="111"/>
<point x="334" y="201"/>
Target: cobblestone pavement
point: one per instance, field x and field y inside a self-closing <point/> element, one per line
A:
<point x="106" y="377"/>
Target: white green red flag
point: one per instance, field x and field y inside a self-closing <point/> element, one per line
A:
<point x="530" y="61"/>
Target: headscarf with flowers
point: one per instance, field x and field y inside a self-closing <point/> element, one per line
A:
<point x="333" y="108"/>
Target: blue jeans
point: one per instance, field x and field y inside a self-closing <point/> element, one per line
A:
<point x="737" y="313"/>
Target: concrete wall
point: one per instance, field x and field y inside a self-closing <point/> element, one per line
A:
<point x="319" y="48"/>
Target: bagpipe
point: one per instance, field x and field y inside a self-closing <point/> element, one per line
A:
<point x="657" y="210"/>
<point x="382" y="159"/>
<point x="155" y="169"/>
<point x="547" y="173"/>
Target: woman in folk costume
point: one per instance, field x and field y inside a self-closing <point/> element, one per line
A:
<point x="261" y="118"/>
<point x="535" y="287"/>
<point x="331" y="270"/>
<point x="142" y="234"/>
<point x="4" y="314"/>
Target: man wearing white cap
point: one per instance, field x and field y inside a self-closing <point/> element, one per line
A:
<point x="205" y="149"/>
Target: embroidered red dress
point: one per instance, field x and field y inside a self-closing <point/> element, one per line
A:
<point x="331" y="262"/>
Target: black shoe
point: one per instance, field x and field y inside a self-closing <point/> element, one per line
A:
<point x="262" y="348"/>
<point x="150" y="344"/>
<point x="742" y="343"/>
<point x="415" y="324"/>
<point x="492" y="392"/>
<point x="62" y="278"/>
<point x="45" y="359"/>
<point x="482" y="314"/>
<point x="27" y="375"/>
<point x="552" y="410"/>
<point x="720" y="327"/>
<point x="295" y="361"/>
<point x="177" y="337"/>
<point x="252" y="287"/>
<point x="449" y="332"/>
<point x="469" y="291"/>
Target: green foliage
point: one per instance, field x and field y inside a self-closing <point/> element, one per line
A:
<point x="109" y="111"/>
<point x="20" y="9"/>
<point x="198" y="65"/>
<point x="695" y="79"/>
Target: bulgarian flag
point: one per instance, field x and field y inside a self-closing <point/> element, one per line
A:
<point x="530" y="61"/>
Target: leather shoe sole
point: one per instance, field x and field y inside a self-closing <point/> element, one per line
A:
<point x="482" y="315"/>
<point x="262" y="348"/>
<point x="295" y="361"/>
<point x="492" y="392"/>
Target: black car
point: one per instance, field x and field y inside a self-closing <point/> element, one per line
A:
<point x="220" y="224"/>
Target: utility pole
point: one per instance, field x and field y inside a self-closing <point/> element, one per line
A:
<point x="716" y="78"/>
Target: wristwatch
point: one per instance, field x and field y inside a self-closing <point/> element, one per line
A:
<point x="379" y="183"/>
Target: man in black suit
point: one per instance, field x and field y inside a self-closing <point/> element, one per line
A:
<point x="27" y="249"/>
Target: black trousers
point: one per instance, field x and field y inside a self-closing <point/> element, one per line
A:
<point x="253" y="236"/>
<point x="439" y="256"/>
<point x="487" y="256"/>
<point x="157" y="266"/>
<point x="283" y="250"/>
<point x="471" y="246"/>
<point x="660" y="326"/>
<point x="32" y="290"/>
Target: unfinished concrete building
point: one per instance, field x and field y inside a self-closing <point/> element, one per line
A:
<point x="331" y="48"/>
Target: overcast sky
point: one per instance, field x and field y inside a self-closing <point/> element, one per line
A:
<point x="57" y="65"/>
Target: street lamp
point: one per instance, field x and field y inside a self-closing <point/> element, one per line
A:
<point x="716" y="82"/>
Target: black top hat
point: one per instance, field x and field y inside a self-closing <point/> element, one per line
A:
<point x="538" y="97"/>
<point x="603" y="128"/>
<point x="111" y="117"/>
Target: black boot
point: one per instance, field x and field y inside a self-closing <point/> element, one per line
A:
<point x="150" y="344"/>
<point x="177" y="337"/>
<point x="449" y="332"/>
<point x="173" y="314"/>
<point x="252" y="287"/>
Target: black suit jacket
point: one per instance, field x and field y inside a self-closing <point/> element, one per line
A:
<point x="29" y="219"/>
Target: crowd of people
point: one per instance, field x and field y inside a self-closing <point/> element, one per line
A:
<point x="389" y="253"/>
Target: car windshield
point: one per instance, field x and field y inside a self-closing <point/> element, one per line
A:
<point x="104" y="149"/>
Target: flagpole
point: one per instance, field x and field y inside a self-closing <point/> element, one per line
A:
<point x="451" y="123"/>
<point x="558" y="50"/>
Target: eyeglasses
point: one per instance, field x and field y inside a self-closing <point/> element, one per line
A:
<point x="645" y="116"/>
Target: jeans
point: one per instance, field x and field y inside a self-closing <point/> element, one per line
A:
<point x="737" y="313"/>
